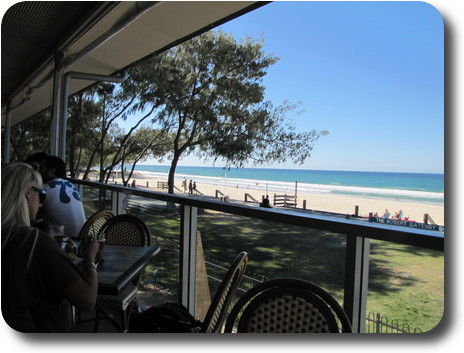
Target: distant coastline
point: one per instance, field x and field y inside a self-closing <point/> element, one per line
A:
<point x="317" y="197"/>
<point x="416" y="187"/>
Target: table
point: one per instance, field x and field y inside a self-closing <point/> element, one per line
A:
<point x="121" y="265"/>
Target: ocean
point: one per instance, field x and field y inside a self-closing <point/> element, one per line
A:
<point x="419" y="187"/>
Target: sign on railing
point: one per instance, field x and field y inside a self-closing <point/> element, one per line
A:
<point x="411" y="224"/>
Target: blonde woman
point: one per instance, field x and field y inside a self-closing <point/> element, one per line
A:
<point x="38" y="281"/>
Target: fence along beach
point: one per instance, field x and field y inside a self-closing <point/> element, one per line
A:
<point x="321" y="197"/>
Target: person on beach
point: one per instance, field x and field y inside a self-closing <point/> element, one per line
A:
<point x="62" y="203"/>
<point x="191" y="187"/>
<point x="184" y="184"/>
<point x="39" y="283"/>
<point x="195" y="186"/>
<point x="386" y="214"/>
<point x="265" y="202"/>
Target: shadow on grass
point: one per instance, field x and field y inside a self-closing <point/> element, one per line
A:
<point x="282" y="250"/>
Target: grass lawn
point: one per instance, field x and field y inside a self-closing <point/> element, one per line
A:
<point x="405" y="283"/>
<point x="413" y="290"/>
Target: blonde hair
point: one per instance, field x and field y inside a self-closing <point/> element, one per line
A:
<point x="17" y="179"/>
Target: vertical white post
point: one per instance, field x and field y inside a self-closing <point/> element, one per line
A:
<point x="188" y="256"/>
<point x="116" y="202"/>
<point x="356" y="281"/>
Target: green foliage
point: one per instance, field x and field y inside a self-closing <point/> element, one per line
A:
<point x="210" y="96"/>
<point x="203" y="97"/>
<point x="30" y="136"/>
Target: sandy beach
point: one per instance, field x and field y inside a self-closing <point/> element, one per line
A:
<point x="314" y="201"/>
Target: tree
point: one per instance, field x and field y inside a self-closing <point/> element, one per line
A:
<point x="211" y="98"/>
<point x="96" y="113"/>
<point x="205" y="97"/>
<point x="145" y="142"/>
<point x="30" y="136"/>
<point x="83" y="131"/>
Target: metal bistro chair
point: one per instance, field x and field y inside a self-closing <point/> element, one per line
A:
<point x="130" y="231"/>
<point x="217" y="311"/>
<point x="92" y="228"/>
<point x="288" y="305"/>
<point x="94" y="224"/>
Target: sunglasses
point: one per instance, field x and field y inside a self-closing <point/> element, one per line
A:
<point x="42" y="194"/>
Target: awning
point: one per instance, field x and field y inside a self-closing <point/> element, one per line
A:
<point x="92" y="37"/>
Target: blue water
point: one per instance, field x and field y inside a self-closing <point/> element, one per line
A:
<point x="405" y="186"/>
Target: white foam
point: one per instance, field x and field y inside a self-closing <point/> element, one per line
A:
<point x="289" y="187"/>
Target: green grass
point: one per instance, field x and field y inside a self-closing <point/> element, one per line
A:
<point x="413" y="290"/>
<point x="405" y="283"/>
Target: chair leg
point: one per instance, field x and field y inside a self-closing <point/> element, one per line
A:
<point x="126" y="314"/>
<point x="123" y="322"/>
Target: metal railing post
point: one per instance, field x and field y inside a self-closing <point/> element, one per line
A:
<point x="56" y="106"/>
<point x="116" y="202"/>
<point x="188" y="256"/>
<point x="356" y="281"/>
<point x="80" y="190"/>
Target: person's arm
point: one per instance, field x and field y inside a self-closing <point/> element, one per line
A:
<point x="83" y="293"/>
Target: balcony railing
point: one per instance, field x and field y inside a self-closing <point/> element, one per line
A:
<point x="332" y="251"/>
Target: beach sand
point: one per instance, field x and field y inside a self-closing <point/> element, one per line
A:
<point x="315" y="201"/>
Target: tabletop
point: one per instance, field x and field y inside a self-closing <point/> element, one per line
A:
<point x="121" y="265"/>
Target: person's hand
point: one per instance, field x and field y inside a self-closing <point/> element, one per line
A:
<point x="89" y="247"/>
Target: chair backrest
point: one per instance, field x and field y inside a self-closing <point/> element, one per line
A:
<point x="288" y="305"/>
<point x="126" y="230"/>
<point x="94" y="224"/>
<point x="217" y="311"/>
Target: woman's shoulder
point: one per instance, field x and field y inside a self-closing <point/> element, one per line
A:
<point x="17" y="233"/>
<point x="19" y="241"/>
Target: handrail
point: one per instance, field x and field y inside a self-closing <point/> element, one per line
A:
<point x="219" y="192"/>
<point x="352" y="227"/>
<point x="248" y="196"/>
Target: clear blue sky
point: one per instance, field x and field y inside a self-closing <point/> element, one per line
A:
<point x="371" y="73"/>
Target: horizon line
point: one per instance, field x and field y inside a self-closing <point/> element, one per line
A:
<point x="281" y="168"/>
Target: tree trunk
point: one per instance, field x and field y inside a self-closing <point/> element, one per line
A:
<point x="172" y="172"/>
